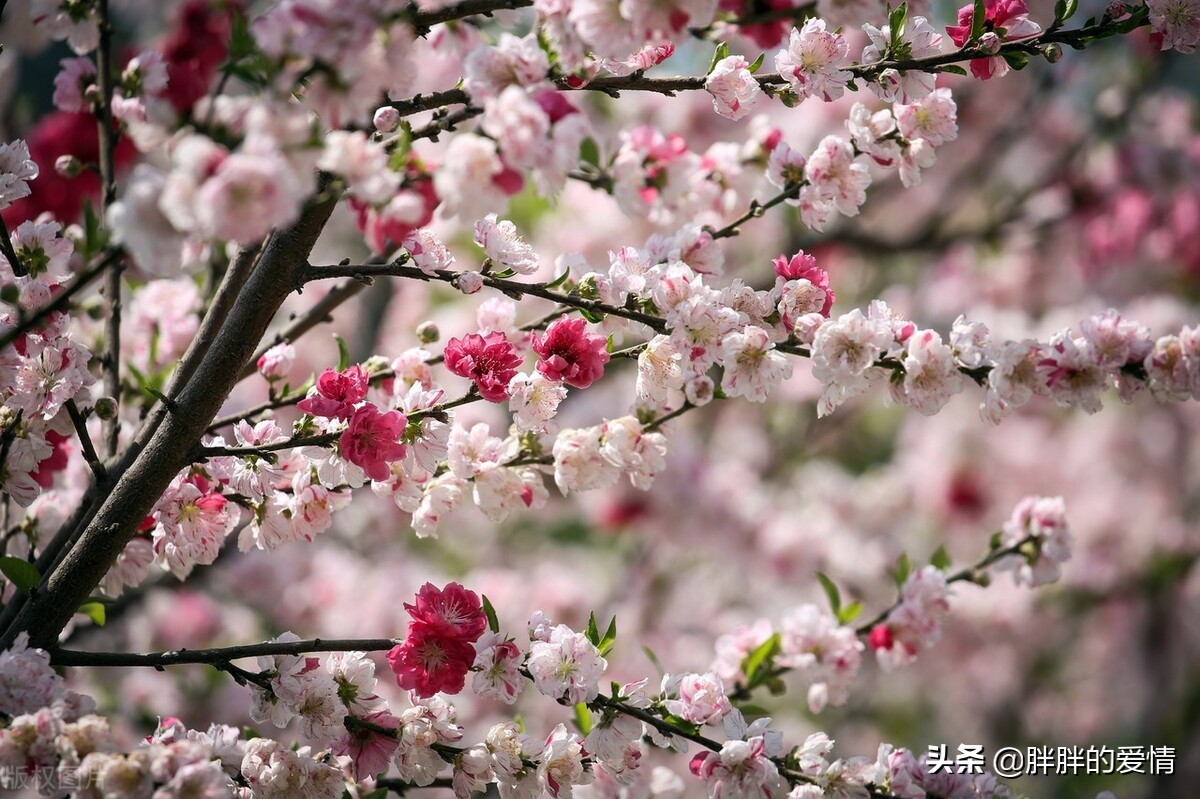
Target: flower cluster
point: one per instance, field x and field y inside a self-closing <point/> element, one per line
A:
<point x="438" y="650"/>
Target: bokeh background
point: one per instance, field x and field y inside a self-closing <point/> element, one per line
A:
<point x="1071" y="188"/>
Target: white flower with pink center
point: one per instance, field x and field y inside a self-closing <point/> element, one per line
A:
<point x="567" y="666"/>
<point x="752" y="365"/>
<point x="837" y="175"/>
<point x="814" y="61"/>
<point x="933" y="118"/>
<point x="502" y="243"/>
<point x="734" y="90"/>
<point x="702" y="698"/>
<point x="931" y="375"/>
<point x="843" y="352"/>
<point x="822" y="652"/>
<point x="1041" y="523"/>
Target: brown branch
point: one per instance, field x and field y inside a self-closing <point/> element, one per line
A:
<point x="177" y="657"/>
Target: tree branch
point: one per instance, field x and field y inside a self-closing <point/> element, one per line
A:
<point x="214" y="656"/>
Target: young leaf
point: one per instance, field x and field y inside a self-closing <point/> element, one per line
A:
<point x="978" y="18"/>
<point x="653" y="658"/>
<point x="610" y="637"/>
<point x="903" y="567"/>
<point x="831" y="591"/>
<point x="490" y="613"/>
<point x="94" y="610"/>
<point x="583" y="718"/>
<point x="593" y="633"/>
<point x="758" y="62"/>
<point x="589" y="152"/>
<point x="897" y="18"/>
<point x="940" y="559"/>
<point x="343" y="353"/>
<point x="721" y="53"/>
<point x="608" y="345"/>
<point x="849" y="613"/>
<point x="558" y="281"/>
<point x="954" y="69"/>
<point x="23" y="574"/>
<point x="761" y="655"/>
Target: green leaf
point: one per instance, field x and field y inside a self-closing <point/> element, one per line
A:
<point x="558" y="281"/>
<point x="343" y="353"/>
<point x="978" y="18"/>
<point x="995" y="541"/>
<point x="608" y="345"/>
<point x="382" y="793"/>
<point x="954" y="69"/>
<point x="831" y="591"/>
<point x="490" y="613"/>
<point x="1015" y="59"/>
<point x="761" y="656"/>
<point x="94" y="610"/>
<point x="758" y="62"/>
<point x="849" y="613"/>
<point x="398" y="160"/>
<point x="589" y="152"/>
<point x="940" y="559"/>
<point x="901" y="572"/>
<point x="1068" y="9"/>
<point x="897" y="19"/>
<point x="722" y="52"/>
<point x="583" y="718"/>
<point x="593" y="633"/>
<point x="23" y="574"/>
<point x="610" y="637"/>
<point x="591" y="316"/>
<point x="653" y="658"/>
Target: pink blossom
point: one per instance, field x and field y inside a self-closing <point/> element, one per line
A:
<point x="734" y="90"/>
<point x="1007" y="19"/>
<point x="75" y="79"/>
<point x="452" y="610"/>
<point x="740" y="769"/>
<point x="571" y="354"/>
<point x="814" y="60"/>
<point x="803" y="266"/>
<point x="702" y="699"/>
<point x="16" y="170"/>
<point x="370" y="751"/>
<point x="488" y="361"/>
<point x="934" y="118"/>
<point x="276" y="362"/>
<point x="1043" y="521"/>
<point x="429" y="661"/>
<point x="497" y="664"/>
<point x="372" y="440"/>
<point x="336" y="393"/>
<point x="1175" y="24"/>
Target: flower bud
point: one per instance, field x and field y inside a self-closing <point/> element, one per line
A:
<point x="68" y="166"/>
<point x="386" y="119"/>
<point x="699" y="390"/>
<point x="105" y="408"/>
<point x="470" y="282"/>
<point x="428" y="333"/>
<point x="1053" y="52"/>
<point x="989" y="43"/>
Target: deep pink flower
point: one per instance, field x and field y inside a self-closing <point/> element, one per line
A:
<point x="371" y="751"/>
<point x="1008" y="19"/>
<point x="337" y="393"/>
<point x="490" y="362"/>
<point x="372" y="440"/>
<point x="570" y="353"/>
<point x="429" y="661"/>
<point x="803" y="266"/>
<point x="454" y="611"/>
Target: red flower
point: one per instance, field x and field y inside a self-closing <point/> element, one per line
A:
<point x="429" y="661"/>
<point x="803" y="266"/>
<point x="570" y="353"/>
<point x="372" y="440"/>
<point x="490" y="362"/>
<point x="454" y="611"/>
<point x="337" y="393"/>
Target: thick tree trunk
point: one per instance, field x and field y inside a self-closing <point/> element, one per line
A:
<point x="149" y="471"/>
